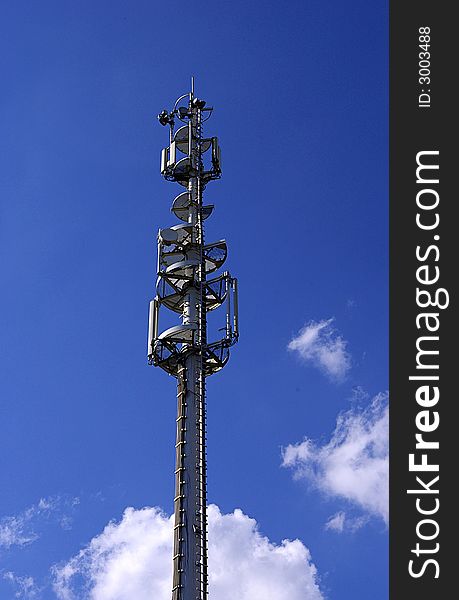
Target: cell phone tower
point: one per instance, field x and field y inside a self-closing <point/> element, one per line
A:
<point x="184" y="263"/>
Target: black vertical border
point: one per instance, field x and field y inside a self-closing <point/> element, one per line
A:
<point x="414" y="129"/>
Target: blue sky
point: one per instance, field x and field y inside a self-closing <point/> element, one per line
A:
<point x="300" y="95"/>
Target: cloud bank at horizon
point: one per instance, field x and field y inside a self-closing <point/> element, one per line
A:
<point x="132" y="559"/>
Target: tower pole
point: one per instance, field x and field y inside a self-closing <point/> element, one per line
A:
<point x="183" y="351"/>
<point x="190" y="540"/>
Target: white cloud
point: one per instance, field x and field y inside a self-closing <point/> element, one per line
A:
<point x="319" y="344"/>
<point x="340" y="522"/>
<point x="18" y="530"/>
<point x="15" y="531"/>
<point x="336" y="522"/>
<point x="25" y="587"/>
<point x="21" y="529"/>
<point x="127" y="560"/>
<point x="132" y="559"/>
<point x="353" y="465"/>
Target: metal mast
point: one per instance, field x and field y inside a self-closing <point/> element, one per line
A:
<point x="183" y="286"/>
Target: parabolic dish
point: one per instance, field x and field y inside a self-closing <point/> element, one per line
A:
<point x="182" y="170"/>
<point x="180" y="207"/>
<point x="177" y="234"/>
<point x="181" y="140"/>
<point x="215" y="255"/>
<point x="179" y="333"/>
